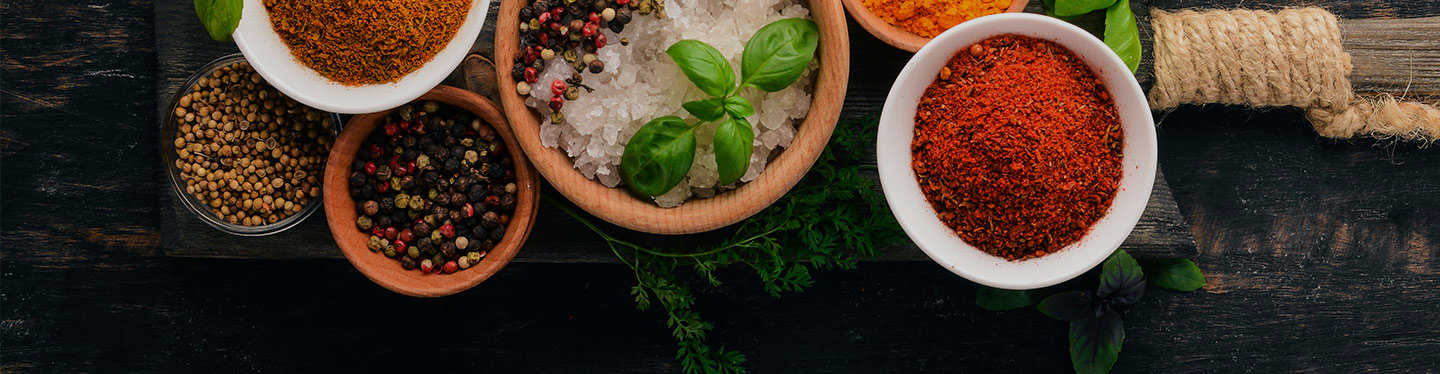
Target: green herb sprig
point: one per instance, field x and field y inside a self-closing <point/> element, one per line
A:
<point x="1096" y="329"/>
<point x="220" y="17"/>
<point x="1121" y="33"/>
<point x="832" y="219"/>
<point x="660" y="154"/>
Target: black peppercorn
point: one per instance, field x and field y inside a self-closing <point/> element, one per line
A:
<point x="447" y="249"/>
<point x="479" y="232"/>
<point x="497" y="234"/>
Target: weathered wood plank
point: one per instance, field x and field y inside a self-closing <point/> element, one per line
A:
<point x="1161" y="232"/>
<point x="1320" y="254"/>
<point x="1396" y="56"/>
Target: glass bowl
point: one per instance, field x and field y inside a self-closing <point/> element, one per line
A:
<point x="198" y="208"/>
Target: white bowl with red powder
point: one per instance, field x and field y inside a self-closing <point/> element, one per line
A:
<point x="265" y="50"/>
<point x="921" y="221"/>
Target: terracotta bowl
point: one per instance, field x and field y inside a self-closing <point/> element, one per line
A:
<point x="340" y="209"/>
<point x="617" y="206"/>
<point x="898" y="37"/>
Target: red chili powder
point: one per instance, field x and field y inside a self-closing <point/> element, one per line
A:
<point x="1017" y="146"/>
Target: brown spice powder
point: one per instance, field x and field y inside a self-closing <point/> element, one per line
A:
<point x="361" y="42"/>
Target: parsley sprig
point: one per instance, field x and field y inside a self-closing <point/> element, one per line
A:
<point x="832" y="219"/>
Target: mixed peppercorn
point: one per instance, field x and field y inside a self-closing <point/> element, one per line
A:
<point x="571" y="30"/>
<point x="435" y="188"/>
<point x="250" y="154"/>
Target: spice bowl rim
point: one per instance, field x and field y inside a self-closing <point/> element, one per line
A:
<point x="168" y="127"/>
<point x="617" y="206"/>
<point x="271" y="57"/>
<point x="899" y="37"/>
<point x="919" y="219"/>
<point x="340" y="212"/>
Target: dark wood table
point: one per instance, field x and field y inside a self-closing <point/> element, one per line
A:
<point x="1320" y="255"/>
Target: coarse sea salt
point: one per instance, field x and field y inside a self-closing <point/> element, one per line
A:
<point x="641" y="83"/>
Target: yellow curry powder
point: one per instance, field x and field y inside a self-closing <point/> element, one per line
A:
<point x="928" y="18"/>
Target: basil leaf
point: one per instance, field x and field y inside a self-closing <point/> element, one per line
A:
<point x="1066" y="8"/>
<point x="706" y="110"/>
<point x="1121" y="279"/>
<point x="1095" y="343"/>
<point x="778" y="53"/>
<point x="704" y="65"/>
<point x="219" y="17"/>
<point x="1122" y="35"/>
<point x="1068" y="306"/>
<point x="995" y="299"/>
<point x="734" y="139"/>
<point x="738" y="107"/>
<point x="658" y="156"/>
<point x="1178" y="274"/>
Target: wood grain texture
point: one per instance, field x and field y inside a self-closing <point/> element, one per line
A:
<point x="557" y="238"/>
<point x="1320" y="254"/>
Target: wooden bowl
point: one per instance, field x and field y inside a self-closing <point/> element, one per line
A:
<point x="340" y="208"/>
<point x="898" y="37"/>
<point x="617" y="206"/>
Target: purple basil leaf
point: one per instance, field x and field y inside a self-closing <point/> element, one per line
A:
<point x="1122" y="281"/>
<point x="1095" y="343"/>
<point x="1068" y="306"/>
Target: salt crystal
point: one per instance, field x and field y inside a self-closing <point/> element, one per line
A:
<point x="641" y="83"/>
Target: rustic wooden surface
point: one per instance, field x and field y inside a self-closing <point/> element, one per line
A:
<point x="1321" y="256"/>
<point x="1160" y="233"/>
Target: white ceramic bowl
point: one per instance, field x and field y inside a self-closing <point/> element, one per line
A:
<point x="918" y="218"/>
<point x="269" y="55"/>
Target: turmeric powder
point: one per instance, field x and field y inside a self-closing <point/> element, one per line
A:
<point x="928" y="18"/>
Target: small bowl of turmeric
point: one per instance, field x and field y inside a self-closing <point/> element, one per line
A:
<point x="909" y="24"/>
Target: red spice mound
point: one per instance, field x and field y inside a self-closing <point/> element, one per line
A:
<point x="1017" y="146"/>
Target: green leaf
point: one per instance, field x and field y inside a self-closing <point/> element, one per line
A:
<point x="778" y="53"/>
<point x="1068" y="306"/>
<point x="1066" y="8"/>
<point x="706" y="110"/>
<point x="704" y="65"/>
<point x="1178" y="274"/>
<point x="658" y="156"/>
<point x="995" y="299"/>
<point x="734" y="140"/>
<point x="219" y="17"/>
<point x="738" y="107"/>
<point x="1122" y="281"/>
<point x="1095" y="343"/>
<point x="1122" y="34"/>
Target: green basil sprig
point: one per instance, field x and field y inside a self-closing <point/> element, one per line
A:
<point x="1120" y="32"/>
<point x="219" y="17"/>
<point x="658" y="156"/>
<point x="778" y="53"/>
<point x="773" y="59"/>
<point x="1178" y="274"/>
<point x="1067" y="8"/>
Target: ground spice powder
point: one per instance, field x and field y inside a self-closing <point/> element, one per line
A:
<point x="359" y="42"/>
<point x="1017" y="146"/>
<point x="928" y="18"/>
